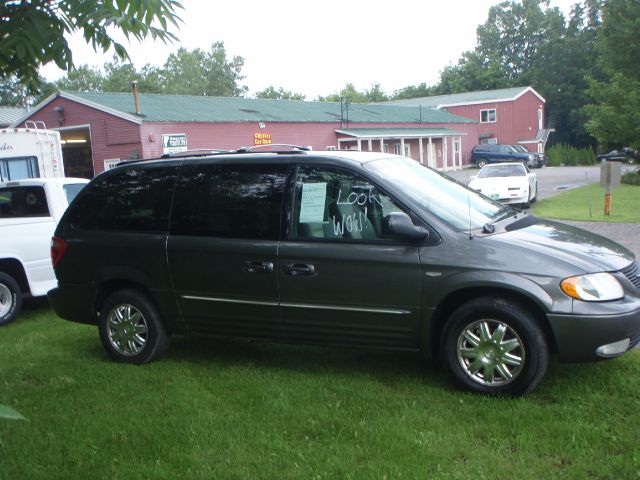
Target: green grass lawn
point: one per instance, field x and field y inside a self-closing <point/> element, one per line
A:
<point x="575" y="205"/>
<point x="236" y="410"/>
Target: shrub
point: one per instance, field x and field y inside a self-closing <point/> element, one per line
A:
<point x="561" y="154"/>
<point x="632" y="178"/>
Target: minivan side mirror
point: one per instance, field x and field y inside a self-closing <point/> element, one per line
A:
<point x="399" y="223"/>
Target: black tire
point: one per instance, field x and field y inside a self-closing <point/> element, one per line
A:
<point x="535" y="198"/>
<point x="131" y="328"/>
<point x="482" y="162"/>
<point x="513" y="365"/>
<point x="10" y="299"/>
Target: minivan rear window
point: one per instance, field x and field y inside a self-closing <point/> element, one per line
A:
<point x="135" y="199"/>
<point x="24" y="201"/>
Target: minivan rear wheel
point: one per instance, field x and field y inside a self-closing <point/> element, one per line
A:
<point x="131" y="328"/>
<point x="495" y="346"/>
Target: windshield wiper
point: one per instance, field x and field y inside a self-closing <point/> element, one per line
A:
<point x="490" y="227"/>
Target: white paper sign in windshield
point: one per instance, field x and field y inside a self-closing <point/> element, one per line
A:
<point x="312" y="204"/>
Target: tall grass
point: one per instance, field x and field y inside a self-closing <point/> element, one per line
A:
<point x="561" y="154"/>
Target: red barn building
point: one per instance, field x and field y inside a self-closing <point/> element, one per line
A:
<point x="507" y="116"/>
<point x="100" y="129"/>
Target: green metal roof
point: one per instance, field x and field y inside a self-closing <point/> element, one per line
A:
<point x="8" y="115"/>
<point x="185" y="108"/>
<point x="398" y="132"/>
<point x="462" y="98"/>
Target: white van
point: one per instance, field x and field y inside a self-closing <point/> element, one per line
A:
<point x="32" y="152"/>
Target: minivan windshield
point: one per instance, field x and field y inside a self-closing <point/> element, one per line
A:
<point x="459" y="206"/>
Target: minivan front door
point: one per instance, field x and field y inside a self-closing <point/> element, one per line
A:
<point x="222" y="248"/>
<point x="343" y="280"/>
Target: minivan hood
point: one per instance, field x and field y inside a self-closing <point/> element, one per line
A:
<point x="575" y="246"/>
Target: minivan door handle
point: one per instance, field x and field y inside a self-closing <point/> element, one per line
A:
<point x="299" y="269"/>
<point x="258" y="267"/>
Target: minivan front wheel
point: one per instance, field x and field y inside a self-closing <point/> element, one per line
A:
<point x="495" y="346"/>
<point x="131" y="329"/>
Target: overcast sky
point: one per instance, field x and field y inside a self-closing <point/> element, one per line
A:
<point x="316" y="48"/>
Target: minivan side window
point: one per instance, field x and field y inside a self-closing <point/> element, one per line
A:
<point x="336" y="204"/>
<point x="133" y="200"/>
<point x="229" y="201"/>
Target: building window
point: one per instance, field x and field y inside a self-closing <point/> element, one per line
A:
<point x="396" y="149"/>
<point x="385" y="148"/>
<point x="18" y="168"/>
<point x="407" y="150"/>
<point x="488" y="116"/>
<point x="489" y="141"/>
<point x="456" y="146"/>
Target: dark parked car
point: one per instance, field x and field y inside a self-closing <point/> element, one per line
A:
<point x="624" y="155"/>
<point x="339" y="248"/>
<point x="494" y="153"/>
<point x="540" y="161"/>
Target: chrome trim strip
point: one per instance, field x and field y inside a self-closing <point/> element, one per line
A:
<point x="300" y="305"/>
<point x="346" y="309"/>
<point x="230" y="300"/>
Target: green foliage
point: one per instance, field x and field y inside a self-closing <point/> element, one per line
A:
<point x="185" y="72"/>
<point x="32" y="33"/>
<point x="560" y="154"/>
<point x="415" y="91"/>
<point x="13" y="93"/>
<point x="196" y="72"/>
<point x="528" y="43"/>
<point x="631" y="178"/>
<point x="9" y="413"/>
<point x="373" y="94"/>
<point x="274" y="93"/>
<point x="615" y="113"/>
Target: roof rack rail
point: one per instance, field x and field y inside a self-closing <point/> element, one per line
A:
<point x="294" y="148"/>
<point x="197" y="152"/>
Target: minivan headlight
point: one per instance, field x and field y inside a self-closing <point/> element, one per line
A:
<point x="593" y="287"/>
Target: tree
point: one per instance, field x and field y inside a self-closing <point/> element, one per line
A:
<point x="279" y="94"/>
<point x="32" y="32"/>
<point x="119" y="77"/>
<point x="526" y="42"/>
<point x="13" y="93"/>
<point x="197" y="72"/>
<point x="615" y="115"/>
<point x="81" y="79"/>
<point x="350" y="93"/>
<point x="414" y="91"/>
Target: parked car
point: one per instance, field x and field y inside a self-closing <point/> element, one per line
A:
<point x="356" y="249"/>
<point x="626" y="154"/>
<point x="29" y="212"/>
<point x="540" y="161"/>
<point x="510" y="183"/>
<point x="484" y="154"/>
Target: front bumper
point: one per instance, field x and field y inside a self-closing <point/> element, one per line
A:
<point x="579" y="336"/>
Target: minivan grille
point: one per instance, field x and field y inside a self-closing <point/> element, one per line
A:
<point x="632" y="273"/>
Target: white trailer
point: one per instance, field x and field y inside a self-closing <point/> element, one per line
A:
<point x="31" y="152"/>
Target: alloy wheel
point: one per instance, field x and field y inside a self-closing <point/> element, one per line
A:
<point x="490" y="352"/>
<point x="127" y="330"/>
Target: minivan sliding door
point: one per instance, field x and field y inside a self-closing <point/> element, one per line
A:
<point x="222" y="247"/>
